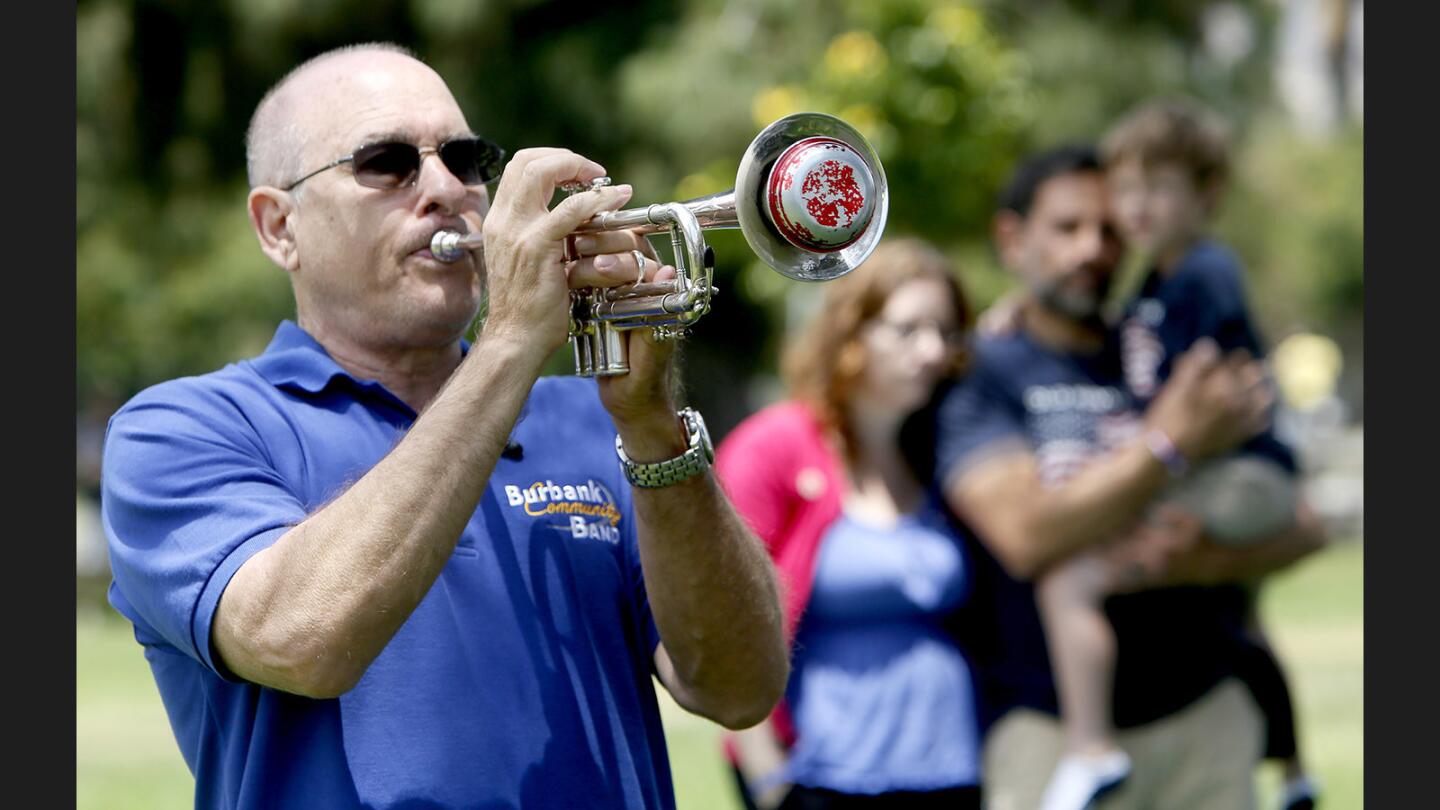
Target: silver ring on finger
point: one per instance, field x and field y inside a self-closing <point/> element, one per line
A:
<point x="639" y="266"/>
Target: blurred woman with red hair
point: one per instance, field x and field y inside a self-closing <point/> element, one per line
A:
<point x="879" y="710"/>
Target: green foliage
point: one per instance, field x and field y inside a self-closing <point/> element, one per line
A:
<point x="148" y="311"/>
<point x="666" y="94"/>
<point x="938" y="95"/>
<point x="1297" y="217"/>
<point x="1079" y="85"/>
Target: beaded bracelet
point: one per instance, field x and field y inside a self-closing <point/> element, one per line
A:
<point x="1166" y="452"/>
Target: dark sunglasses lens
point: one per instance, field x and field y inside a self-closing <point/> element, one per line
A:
<point x="386" y="165"/>
<point x="473" y="161"/>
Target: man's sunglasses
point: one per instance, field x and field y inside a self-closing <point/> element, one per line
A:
<point x="474" y="161"/>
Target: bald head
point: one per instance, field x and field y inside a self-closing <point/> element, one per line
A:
<point x="275" y="141"/>
<point x="355" y="253"/>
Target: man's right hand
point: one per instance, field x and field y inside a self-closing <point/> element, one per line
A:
<point x="525" y="244"/>
<point x="1211" y="404"/>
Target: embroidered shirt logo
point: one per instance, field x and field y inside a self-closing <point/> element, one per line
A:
<point x="586" y="511"/>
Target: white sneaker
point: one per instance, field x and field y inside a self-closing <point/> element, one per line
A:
<point x="1080" y="779"/>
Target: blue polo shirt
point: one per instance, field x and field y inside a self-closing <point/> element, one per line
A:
<point x="1202" y="296"/>
<point x="523" y="678"/>
<point x="1173" y="644"/>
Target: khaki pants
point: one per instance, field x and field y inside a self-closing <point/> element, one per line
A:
<point x="1200" y="758"/>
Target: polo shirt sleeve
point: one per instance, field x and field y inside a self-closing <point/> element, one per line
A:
<point x="978" y="420"/>
<point x="188" y="495"/>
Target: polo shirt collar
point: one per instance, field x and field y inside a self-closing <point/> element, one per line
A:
<point x="294" y="359"/>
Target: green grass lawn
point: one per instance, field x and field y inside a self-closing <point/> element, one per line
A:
<point x="126" y="757"/>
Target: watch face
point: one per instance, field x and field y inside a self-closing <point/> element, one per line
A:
<point x="697" y="423"/>
<point x="705" y="440"/>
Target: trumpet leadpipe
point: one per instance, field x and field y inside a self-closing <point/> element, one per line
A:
<point x="714" y="211"/>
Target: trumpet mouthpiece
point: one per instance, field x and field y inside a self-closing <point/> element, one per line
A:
<point x="445" y="246"/>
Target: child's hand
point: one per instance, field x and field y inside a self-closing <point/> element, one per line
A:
<point x="1212" y="404"/>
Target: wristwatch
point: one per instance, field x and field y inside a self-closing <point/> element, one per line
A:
<point x="696" y="459"/>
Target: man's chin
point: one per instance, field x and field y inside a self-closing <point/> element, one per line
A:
<point x="432" y="287"/>
<point x="1078" y="307"/>
<point x="436" y="333"/>
<point x="442" y="317"/>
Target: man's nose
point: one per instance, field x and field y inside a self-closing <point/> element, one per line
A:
<point x="440" y="190"/>
<point x="1091" y="242"/>
<point x="1098" y="243"/>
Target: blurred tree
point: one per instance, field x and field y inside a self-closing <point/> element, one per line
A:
<point x="1297" y="218"/>
<point x="944" y="101"/>
<point x="169" y="280"/>
<point x="1294" y="209"/>
<point x="666" y="94"/>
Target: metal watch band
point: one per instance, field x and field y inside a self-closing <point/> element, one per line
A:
<point x="687" y="465"/>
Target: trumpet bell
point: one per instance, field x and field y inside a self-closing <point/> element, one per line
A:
<point x="811" y="197"/>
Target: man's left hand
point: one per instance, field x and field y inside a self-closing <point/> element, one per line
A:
<point x="642" y="402"/>
<point x="1170" y="549"/>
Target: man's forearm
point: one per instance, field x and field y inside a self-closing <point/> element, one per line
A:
<point x="714" y="597"/>
<point x="1029" y="525"/>
<point x="1097" y="504"/>
<point x="711" y="586"/>
<point x="310" y="613"/>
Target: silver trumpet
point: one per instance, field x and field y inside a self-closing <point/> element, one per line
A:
<point x="809" y="196"/>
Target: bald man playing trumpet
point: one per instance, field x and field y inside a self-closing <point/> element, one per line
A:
<point x="378" y="566"/>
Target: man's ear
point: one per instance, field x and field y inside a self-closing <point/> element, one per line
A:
<point x="1005" y="230"/>
<point x="270" y="212"/>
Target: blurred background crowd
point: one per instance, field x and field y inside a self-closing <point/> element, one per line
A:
<point x="667" y="95"/>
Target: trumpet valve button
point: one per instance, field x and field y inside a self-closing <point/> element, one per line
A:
<point x="575" y="187"/>
<point x="821" y="194"/>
